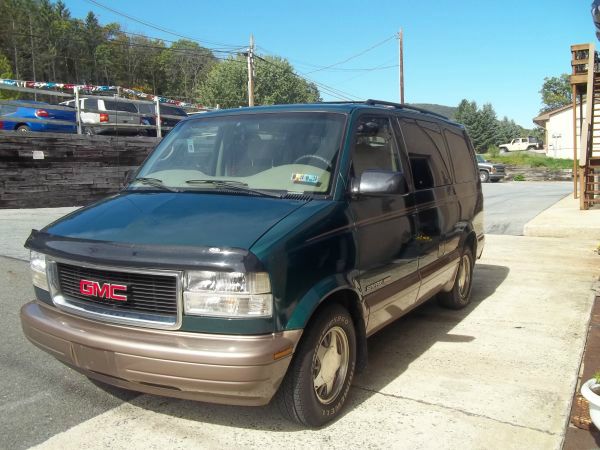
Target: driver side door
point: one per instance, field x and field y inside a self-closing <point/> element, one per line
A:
<point x="385" y="226"/>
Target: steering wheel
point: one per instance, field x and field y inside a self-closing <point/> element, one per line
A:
<point x="320" y="158"/>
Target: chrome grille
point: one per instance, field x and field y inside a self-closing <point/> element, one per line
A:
<point x="146" y="293"/>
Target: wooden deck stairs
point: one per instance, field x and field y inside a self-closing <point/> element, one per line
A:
<point x="585" y="82"/>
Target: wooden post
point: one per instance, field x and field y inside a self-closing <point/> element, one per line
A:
<point x="575" y="165"/>
<point x="251" y="72"/>
<point x="401" y="64"/>
<point x="78" y="109"/>
<point x="158" y="124"/>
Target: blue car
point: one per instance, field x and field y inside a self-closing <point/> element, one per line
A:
<point x="28" y="115"/>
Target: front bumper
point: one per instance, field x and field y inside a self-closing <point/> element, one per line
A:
<point x="228" y="369"/>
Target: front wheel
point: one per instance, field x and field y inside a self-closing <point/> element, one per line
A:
<point x="484" y="176"/>
<point x="460" y="295"/>
<point x="23" y="129"/>
<point x="317" y="383"/>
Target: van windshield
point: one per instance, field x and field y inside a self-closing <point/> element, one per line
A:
<point x="289" y="152"/>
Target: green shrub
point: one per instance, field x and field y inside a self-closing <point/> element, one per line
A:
<point x="493" y="151"/>
<point x="519" y="177"/>
<point x="530" y="160"/>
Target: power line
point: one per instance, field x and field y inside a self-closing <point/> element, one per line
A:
<point x="353" y="56"/>
<point x="328" y="89"/>
<point x="157" y="27"/>
<point x="231" y="50"/>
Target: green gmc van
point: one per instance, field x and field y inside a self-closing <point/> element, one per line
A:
<point x="255" y="251"/>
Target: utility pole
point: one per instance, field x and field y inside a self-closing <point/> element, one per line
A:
<point x="401" y="64"/>
<point x="250" y="56"/>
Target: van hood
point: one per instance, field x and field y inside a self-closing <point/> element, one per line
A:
<point x="176" y="219"/>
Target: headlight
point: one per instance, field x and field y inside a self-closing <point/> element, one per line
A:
<point x="37" y="264"/>
<point x="227" y="294"/>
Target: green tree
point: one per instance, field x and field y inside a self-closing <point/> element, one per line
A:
<point x="5" y="72"/>
<point x="275" y="83"/>
<point x="185" y="65"/>
<point x="556" y="92"/>
<point x="507" y="131"/>
<point x="481" y="124"/>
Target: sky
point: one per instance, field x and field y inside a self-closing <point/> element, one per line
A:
<point x="496" y="52"/>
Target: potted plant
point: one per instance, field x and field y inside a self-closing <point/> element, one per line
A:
<point x="591" y="391"/>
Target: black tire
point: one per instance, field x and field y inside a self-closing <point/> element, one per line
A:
<point x="23" y="129"/>
<point x="460" y="295"/>
<point x="484" y="176"/>
<point x="503" y="150"/>
<point x="298" y="398"/>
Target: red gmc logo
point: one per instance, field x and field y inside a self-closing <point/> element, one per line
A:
<point x="106" y="290"/>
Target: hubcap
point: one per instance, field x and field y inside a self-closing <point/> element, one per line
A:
<point x="464" y="276"/>
<point x="330" y="365"/>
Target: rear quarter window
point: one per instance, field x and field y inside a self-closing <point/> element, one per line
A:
<point x="111" y="105"/>
<point x="90" y="104"/>
<point x="427" y="153"/>
<point x="463" y="161"/>
<point x="172" y="111"/>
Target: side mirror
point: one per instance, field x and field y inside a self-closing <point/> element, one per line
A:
<point x="379" y="182"/>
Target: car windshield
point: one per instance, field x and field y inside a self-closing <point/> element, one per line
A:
<point x="289" y="152"/>
<point x="480" y="158"/>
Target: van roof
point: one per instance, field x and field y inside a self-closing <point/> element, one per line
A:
<point x="339" y="107"/>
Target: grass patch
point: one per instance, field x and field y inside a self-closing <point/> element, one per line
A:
<point x="530" y="160"/>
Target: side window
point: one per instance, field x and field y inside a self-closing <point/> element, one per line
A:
<point x="375" y="147"/>
<point x="89" y="104"/>
<point x="112" y="105"/>
<point x="426" y="152"/>
<point x="462" y="158"/>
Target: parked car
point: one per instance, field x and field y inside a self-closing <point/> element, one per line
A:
<point x="520" y="144"/>
<point x="255" y="250"/>
<point x="170" y="116"/>
<point x="28" y="115"/>
<point x="108" y="115"/>
<point x="489" y="171"/>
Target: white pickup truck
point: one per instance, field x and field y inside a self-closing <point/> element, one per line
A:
<point x="520" y="144"/>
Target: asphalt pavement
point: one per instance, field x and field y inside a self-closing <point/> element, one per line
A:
<point x="498" y="374"/>
<point x="508" y="206"/>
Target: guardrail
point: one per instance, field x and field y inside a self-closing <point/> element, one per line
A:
<point x="113" y="122"/>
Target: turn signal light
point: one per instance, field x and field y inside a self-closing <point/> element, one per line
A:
<point x="103" y="117"/>
<point x="41" y="113"/>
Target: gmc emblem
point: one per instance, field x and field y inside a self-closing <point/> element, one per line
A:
<point x="106" y="290"/>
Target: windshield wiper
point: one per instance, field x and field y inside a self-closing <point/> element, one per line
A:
<point x="234" y="186"/>
<point x="155" y="182"/>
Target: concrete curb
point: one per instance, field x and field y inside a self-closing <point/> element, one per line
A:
<point x="565" y="220"/>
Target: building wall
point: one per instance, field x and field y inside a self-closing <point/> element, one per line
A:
<point x="46" y="169"/>
<point x="559" y="134"/>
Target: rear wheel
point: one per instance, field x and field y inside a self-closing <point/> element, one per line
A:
<point x="317" y="383"/>
<point x="484" y="176"/>
<point x="23" y="129"/>
<point x="460" y="295"/>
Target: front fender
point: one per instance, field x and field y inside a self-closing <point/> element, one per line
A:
<point x="307" y="305"/>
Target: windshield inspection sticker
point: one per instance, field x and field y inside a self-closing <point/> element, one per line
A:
<point x="305" y="178"/>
